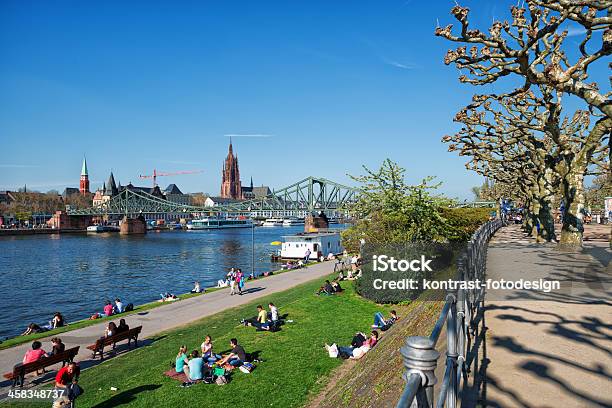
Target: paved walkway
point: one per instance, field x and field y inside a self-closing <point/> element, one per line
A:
<point x="164" y="318"/>
<point x="548" y="349"/>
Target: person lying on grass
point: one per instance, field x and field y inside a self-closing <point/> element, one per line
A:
<point x="33" y="328"/>
<point x="260" y="322"/>
<point x="327" y="289"/>
<point x="207" y="351"/>
<point x="359" y="346"/>
<point x="167" y="297"/>
<point x="384" y="324"/>
<point x="236" y="357"/>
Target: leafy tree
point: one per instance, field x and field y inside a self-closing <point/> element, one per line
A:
<point x="391" y="211"/>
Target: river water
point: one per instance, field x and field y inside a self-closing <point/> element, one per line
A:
<point x="75" y="273"/>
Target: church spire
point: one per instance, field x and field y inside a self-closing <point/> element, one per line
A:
<point x="84" y="167"/>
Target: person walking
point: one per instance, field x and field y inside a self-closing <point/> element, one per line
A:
<point x="239" y="280"/>
<point x="232" y="280"/>
<point x="307" y="256"/>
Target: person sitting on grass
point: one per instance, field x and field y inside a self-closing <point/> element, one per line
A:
<point x="336" y="286"/>
<point x="207" y="350"/>
<point x="384" y="324"/>
<point x="260" y="322"/>
<point x="236" y="357"/>
<point x="196" y="287"/>
<point x="195" y="366"/>
<point x="118" y="308"/>
<point x="327" y="289"/>
<point x="123" y="327"/>
<point x="181" y="362"/>
<point x="66" y="381"/>
<point x="33" y="328"/>
<point x="57" y="321"/>
<point x="108" y="308"/>
<point x="273" y="314"/>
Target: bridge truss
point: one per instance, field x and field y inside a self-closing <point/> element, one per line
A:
<point x="312" y="194"/>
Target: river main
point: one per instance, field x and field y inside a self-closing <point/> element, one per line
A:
<point x="75" y="273"/>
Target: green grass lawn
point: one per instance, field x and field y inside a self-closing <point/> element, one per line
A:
<point x="295" y="363"/>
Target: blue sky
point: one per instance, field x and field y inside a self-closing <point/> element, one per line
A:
<point x="139" y="85"/>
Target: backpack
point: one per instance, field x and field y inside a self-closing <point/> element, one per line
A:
<point x="221" y="380"/>
<point x="129" y="307"/>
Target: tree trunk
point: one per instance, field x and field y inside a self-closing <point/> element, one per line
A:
<point x="573" y="198"/>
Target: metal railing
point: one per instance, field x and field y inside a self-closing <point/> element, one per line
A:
<point x="462" y="313"/>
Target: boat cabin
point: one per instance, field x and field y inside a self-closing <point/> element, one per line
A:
<point x="319" y="243"/>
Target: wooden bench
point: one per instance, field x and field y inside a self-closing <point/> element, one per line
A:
<point x="20" y="370"/>
<point x="129" y="335"/>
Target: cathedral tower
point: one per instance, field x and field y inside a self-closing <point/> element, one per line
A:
<point x="230" y="176"/>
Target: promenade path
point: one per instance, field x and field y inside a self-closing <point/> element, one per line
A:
<point x="163" y="318"/>
<point x="549" y="349"/>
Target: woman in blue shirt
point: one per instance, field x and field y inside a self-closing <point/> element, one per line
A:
<point x="181" y="361"/>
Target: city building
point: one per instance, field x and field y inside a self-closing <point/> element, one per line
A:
<point x="217" y="201"/>
<point x="250" y="193"/>
<point x="175" y="195"/>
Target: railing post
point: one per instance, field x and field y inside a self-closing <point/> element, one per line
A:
<point x="451" y="349"/>
<point x="420" y="357"/>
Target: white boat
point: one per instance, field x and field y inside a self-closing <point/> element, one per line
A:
<point x="319" y="244"/>
<point x="287" y="222"/>
<point x="273" y="222"/>
<point x="95" y="228"/>
<point x="219" y="223"/>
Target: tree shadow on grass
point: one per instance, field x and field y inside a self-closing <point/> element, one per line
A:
<point x="127" y="396"/>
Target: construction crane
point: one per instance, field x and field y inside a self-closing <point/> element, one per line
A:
<point x="155" y="175"/>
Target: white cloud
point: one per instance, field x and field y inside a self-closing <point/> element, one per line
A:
<point x="399" y="64"/>
<point x="574" y="31"/>
<point x="248" y="135"/>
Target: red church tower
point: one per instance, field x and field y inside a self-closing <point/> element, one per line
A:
<point x="230" y="177"/>
<point x="84" y="183"/>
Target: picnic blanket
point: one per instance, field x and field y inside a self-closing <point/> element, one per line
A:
<point x="180" y="377"/>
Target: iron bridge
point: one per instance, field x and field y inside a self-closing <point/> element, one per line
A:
<point x="312" y="194"/>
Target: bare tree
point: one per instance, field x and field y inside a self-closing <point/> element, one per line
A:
<point x="532" y="48"/>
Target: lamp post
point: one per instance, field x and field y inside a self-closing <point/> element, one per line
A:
<point x="252" y="246"/>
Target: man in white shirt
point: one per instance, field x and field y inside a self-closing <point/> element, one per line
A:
<point x="118" y="306"/>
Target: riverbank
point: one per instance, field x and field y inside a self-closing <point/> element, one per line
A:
<point x="8" y="232"/>
<point x="295" y="364"/>
<point x="79" y="324"/>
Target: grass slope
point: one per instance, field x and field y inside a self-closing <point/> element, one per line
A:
<point x="295" y="366"/>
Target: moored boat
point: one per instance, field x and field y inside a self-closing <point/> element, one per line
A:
<point x="287" y="222"/>
<point x="273" y="222"/>
<point x="219" y="223"/>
